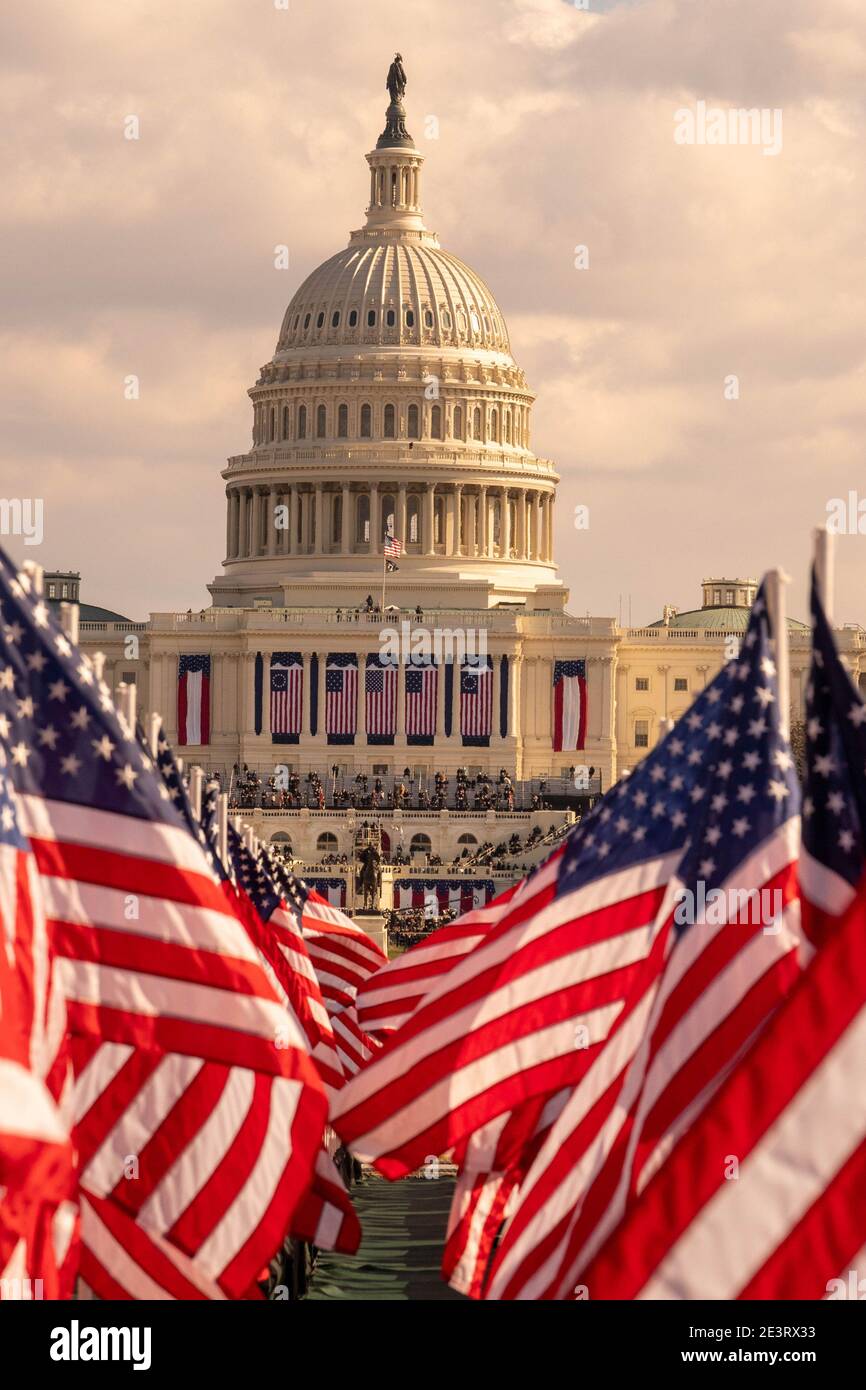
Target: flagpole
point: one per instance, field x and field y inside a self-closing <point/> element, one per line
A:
<point x="824" y="556"/>
<point x="777" y="581"/>
<point x="384" y="572"/>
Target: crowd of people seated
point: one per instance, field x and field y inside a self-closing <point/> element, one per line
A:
<point x="409" y="925"/>
<point x="364" y="792"/>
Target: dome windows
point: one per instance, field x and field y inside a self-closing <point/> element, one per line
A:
<point x="307" y="318"/>
<point x="335" y="319"/>
<point x="285" y="422"/>
<point x="410" y="318"/>
<point x="458" y="422"/>
<point x="389" y="430"/>
<point x="436" y="422"/>
<point x="343" y="422"/>
<point x="320" y="319"/>
<point x="476" y="422"/>
<point x="390" y="318"/>
<point x="302" y="422"/>
<point x="413" y="519"/>
<point x="321" y="422"/>
<point x="413" y="428"/>
<point x="371" y="318"/>
<point x="474" y="320"/>
<point x="446" y="320"/>
<point x="296" y="322"/>
<point x="366" y="422"/>
<point x="428" y="318"/>
<point x="353" y="318"/>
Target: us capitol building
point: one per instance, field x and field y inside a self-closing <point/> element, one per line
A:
<point x="393" y="407"/>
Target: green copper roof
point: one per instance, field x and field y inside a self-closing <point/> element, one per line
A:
<point x="720" y="619"/>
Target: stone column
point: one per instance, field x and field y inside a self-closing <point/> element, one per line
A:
<point x="539" y="527"/>
<point x="548" y="529"/>
<point x="319" y="545"/>
<point x="515" y="664"/>
<point x="456" y="505"/>
<point x="375" y="520"/>
<point x="229" y="511"/>
<point x="401" y="702"/>
<point x="272" y="521"/>
<point x="321" y="703"/>
<point x="440" y="701"/>
<point x="242" y="522"/>
<point x="663" y="672"/>
<point x="401" y="513"/>
<point x="346" y="529"/>
<point x="428" y="519"/>
<point x="471" y="505"/>
<point x="293" y="520"/>
<point x="505" y="532"/>
<point x="305" y="696"/>
<point x="521" y="524"/>
<point x="484" y="520"/>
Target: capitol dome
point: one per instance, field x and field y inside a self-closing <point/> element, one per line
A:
<point x="392" y="406"/>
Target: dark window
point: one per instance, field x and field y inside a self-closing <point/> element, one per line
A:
<point x="320" y="320"/>
<point x="390" y="318"/>
<point x="302" y="422"/>
<point x="413" y="430"/>
<point x="680" y="683"/>
<point x="641" y="683"/>
<point x="306" y="320"/>
<point x="366" y="422"/>
<point x="371" y="318"/>
<point x="343" y="422"/>
<point x="335" y="318"/>
<point x="297" y="321"/>
<point x="353" y="318"/>
<point x="436" y="422"/>
<point x="389" y="422"/>
<point x="320" y="422"/>
<point x="428" y="318"/>
<point x="410" y="319"/>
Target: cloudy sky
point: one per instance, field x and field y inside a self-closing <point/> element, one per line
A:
<point x="154" y="257"/>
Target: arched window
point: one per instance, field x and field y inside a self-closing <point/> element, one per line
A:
<point x="439" y="521"/>
<point x="271" y="425"/>
<point x="326" y="843"/>
<point x="389" y="431"/>
<point x="413" y="518"/>
<point x="281" y="838"/>
<point x="476" y="422"/>
<point x="302" y="422"/>
<point x="371" y="318"/>
<point x="436" y="421"/>
<point x="497" y="519"/>
<point x="413" y="429"/>
<point x="362" y="521"/>
<point x="366" y="422"/>
<point x="320" y="319"/>
<point x="388" y="514"/>
<point x="285" y="422"/>
<point x="420" y="844"/>
<point x="335" y="319"/>
<point x="390" y="318"/>
<point x="321" y="421"/>
<point x="512" y="521"/>
<point x="428" y="318"/>
<point x="353" y="318"/>
<point x="306" y="321"/>
<point x="466" y="839"/>
<point x="343" y="422"/>
<point x="494" y="425"/>
<point x="337" y="519"/>
<point x="458" y="422"/>
<point x="410" y="318"/>
<point x="446" y="320"/>
<point x="506" y="422"/>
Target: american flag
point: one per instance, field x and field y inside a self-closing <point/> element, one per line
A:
<point x="476" y="701"/>
<point x="389" y="996"/>
<point x="287" y="688"/>
<point x="37" y="1184"/>
<point x="392" y="548"/>
<point x="171" y="1014"/>
<point x="380" y="688"/>
<point x="716" y="972"/>
<point x="834" y="804"/>
<point x="341" y="698"/>
<point x="193" y="700"/>
<point x="569" y="706"/>
<point x="422" y="688"/>
<point x="529" y="1011"/>
<point x="792" y="1225"/>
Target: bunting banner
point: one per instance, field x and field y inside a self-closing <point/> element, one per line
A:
<point x="476" y="703"/>
<point x="193" y="700"/>
<point x="333" y="890"/>
<point x="380" y="699"/>
<point x="287" y="696"/>
<point x="314" y="694"/>
<point x="341" y="697"/>
<point x="460" y="894"/>
<point x="503" y="696"/>
<point x="258" y="687"/>
<point x="422" y="694"/>
<point x="569" y="706"/>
